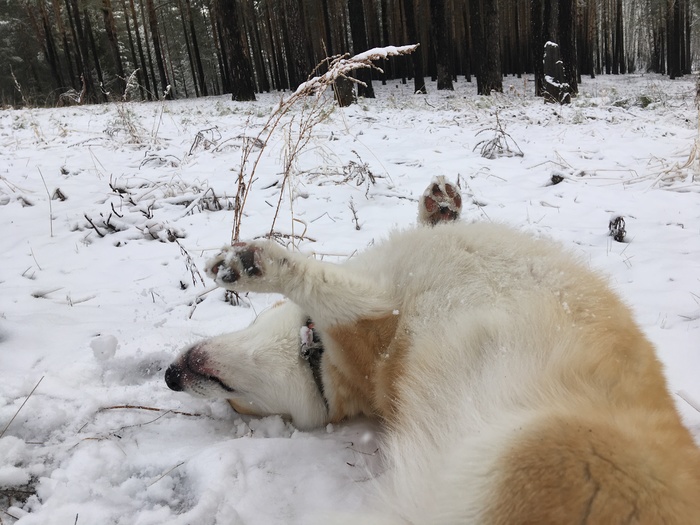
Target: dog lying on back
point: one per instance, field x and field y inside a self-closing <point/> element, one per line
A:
<point x="514" y="386"/>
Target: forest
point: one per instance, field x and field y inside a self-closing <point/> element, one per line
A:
<point x="64" y="52"/>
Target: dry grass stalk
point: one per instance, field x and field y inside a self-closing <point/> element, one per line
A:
<point x="21" y="407"/>
<point x="314" y="110"/>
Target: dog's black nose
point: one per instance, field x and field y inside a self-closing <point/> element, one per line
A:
<point x="173" y="378"/>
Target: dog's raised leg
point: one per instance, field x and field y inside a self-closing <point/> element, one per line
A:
<point x="330" y="294"/>
<point x="440" y="202"/>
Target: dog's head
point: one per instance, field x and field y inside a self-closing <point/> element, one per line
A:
<point x="258" y="369"/>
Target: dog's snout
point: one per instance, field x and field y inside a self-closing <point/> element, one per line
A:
<point x="173" y="377"/>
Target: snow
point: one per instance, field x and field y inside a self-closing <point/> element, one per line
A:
<point x="94" y="318"/>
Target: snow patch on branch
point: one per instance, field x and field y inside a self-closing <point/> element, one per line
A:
<point x="342" y="65"/>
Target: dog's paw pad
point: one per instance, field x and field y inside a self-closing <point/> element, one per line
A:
<point x="440" y="202"/>
<point x="234" y="263"/>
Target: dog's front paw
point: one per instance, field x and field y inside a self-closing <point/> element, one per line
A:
<point x="235" y="265"/>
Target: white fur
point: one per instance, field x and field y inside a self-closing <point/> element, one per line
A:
<point x="499" y="326"/>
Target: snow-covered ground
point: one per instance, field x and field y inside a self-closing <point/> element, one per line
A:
<point x="89" y="321"/>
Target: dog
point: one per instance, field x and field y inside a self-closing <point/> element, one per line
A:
<point x="513" y="385"/>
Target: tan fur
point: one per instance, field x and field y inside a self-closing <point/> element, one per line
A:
<point x="613" y="450"/>
<point x="580" y="468"/>
<point x="241" y="409"/>
<point x="364" y="361"/>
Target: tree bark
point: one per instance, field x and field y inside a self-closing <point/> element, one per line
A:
<point x="143" y="71"/>
<point x="242" y="86"/>
<point x="188" y="46"/>
<point x="417" y="55"/>
<point x="46" y="40"/>
<point x="95" y="54"/>
<point x="64" y="38"/>
<point x="155" y="40"/>
<point x="195" y="51"/>
<point x="491" y="75"/>
<point x="111" y="30"/>
<point x="567" y="45"/>
<point x="359" y="44"/>
<point x="298" y="61"/>
<point x="88" y="85"/>
<point x="620" y="37"/>
<point x="443" y="44"/>
<point x="132" y="48"/>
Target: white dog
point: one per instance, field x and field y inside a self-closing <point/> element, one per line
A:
<point x="515" y="387"/>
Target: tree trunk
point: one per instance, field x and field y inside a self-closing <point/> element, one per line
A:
<point x="687" y="67"/>
<point x="239" y="66"/>
<point x="168" y="60"/>
<point x="412" y="30"/>
<point x="111" y="30"/>
<point x="490" y="69"/>
<point x="255" y="47"/>
<point x="64" y="38"/>
<point x="155" y="40"/>
<point x="95" y="54"/>
<point x="673" y="39"/>
<point x="469" y="41"/>
<point x="149" y="56"/>
<point x="188" y="46"/>
<point x="196" y="52"/>
<point x="216" y="37"/>
<point x="344" y="92"/>
<point x="132" y="48"/>
<point x="443" y="44"/>
<point x="359" y="44"/>
<point x="88" y="85"/>
<point x="299" y="63"/>
<point x="273" y="57"/>
<point x="567" y="44"/>
<point x="46" y="40"/>
<point x="620" y="37"/>
<point x="143" y="72"/>
<point x="607" y="44"/>
<point x="477" y="30"/>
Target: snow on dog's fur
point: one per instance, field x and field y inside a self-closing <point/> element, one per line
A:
<point x="514" y="386"/>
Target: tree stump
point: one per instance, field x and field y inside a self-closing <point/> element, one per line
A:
<point x="344" y="91"/>
<point x="555" y="88"/>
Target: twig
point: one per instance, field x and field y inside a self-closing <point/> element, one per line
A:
<point x="685" y="397"/>
<point x="166" y="473"/>
<point x="354" y="214"/>
<point x="93" y="225"/>
<point x="21" y="407"/>
<point x="50" y="205"/>
<point x="34" y="257"/>
<point x="198" y="299"/>
<point x="190" y="264"/>
<point x="152" y="409"/>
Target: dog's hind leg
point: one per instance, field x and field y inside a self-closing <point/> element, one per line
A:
<point x="440" y="202"/>
<point x="329" y="293"/>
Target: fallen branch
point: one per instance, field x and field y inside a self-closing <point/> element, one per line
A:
<point x="21" y="407"/>
<point x="152" y="409"/>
